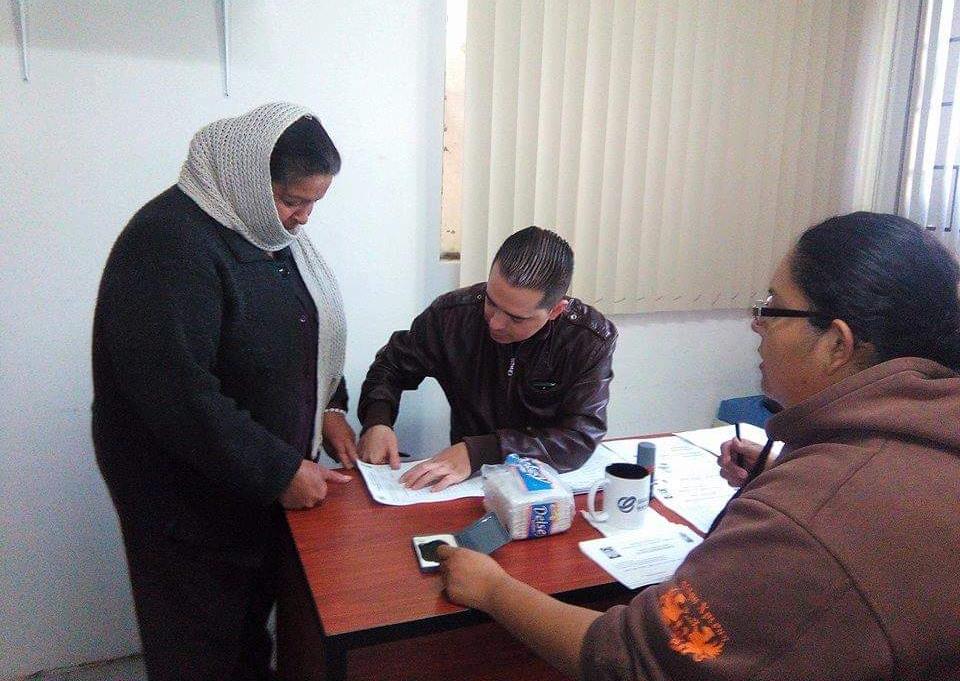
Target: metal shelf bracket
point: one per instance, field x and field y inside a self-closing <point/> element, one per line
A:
<point x="24" y="63"/>
<point x="225" y="45"/>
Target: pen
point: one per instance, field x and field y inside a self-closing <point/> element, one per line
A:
<point x="761" y="462"/>
<point x="736" y="428"/>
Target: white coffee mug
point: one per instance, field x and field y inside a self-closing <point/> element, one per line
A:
<point x="626" y="496"/>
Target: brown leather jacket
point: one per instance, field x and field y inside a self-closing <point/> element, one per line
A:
<point x="545" y="397"/>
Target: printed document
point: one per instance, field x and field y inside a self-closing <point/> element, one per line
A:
<point x="688" y="482"/>
<point x="626" y="450"/>
<point x="385" y="486"/>
<point x="653" y="524"/>
<point x="711" y="438"/>
<point x="638" y="559"/>
<point x="583" y="478"/>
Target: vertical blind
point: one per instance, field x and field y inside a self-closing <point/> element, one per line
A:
<point x="928" y="193"/>
<point x="679" y="146"/>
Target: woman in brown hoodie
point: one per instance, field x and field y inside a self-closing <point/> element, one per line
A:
<point x="840" y="561"/>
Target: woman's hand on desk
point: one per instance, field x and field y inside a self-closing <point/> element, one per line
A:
<point x="339" y="440"/>
<point x="469" y="577"/>
<point x="736" y="459"/>
<point x="309" y="485"/>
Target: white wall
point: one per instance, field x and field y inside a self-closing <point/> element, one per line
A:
<point x="117" y="88"/>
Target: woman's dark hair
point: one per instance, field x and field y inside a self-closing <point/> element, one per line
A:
<point x="892" y="282"/>
<point x="304" y="149"/>
<point x="537" y="259"/>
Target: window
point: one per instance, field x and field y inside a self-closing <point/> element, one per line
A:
<point x="453" y="131"/>
<point x="678" y="146"/>
<point x="928" y="188"/>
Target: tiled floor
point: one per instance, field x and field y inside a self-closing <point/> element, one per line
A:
<point x="124" y="669"/>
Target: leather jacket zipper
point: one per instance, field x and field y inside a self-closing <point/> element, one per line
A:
<point x="510" y="370"/>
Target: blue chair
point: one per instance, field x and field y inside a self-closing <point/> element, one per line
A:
<point x="754" y="409"/>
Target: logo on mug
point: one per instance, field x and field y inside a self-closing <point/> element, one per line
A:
<point x="626" y="504"/>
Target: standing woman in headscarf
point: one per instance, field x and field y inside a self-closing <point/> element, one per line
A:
<point x="218" y="351"/>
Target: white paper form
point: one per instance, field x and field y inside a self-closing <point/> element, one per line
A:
<point x="688" y="482"/>
<point x="638" y="559"/>
<point x="626" y="450"/>
<point x="711" y="438"/>
<point x="385" y="486"/>
<point x="583" y="478"/>
<point x="653" y="524"/>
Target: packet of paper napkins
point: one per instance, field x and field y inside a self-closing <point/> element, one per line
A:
<point x="528" y="497"/>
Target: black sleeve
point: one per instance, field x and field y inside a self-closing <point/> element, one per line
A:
<point x="401" y="364"/>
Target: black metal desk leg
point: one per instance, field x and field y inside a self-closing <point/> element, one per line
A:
<point x="336" y="661"/>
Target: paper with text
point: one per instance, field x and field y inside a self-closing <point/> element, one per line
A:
<point x="583" y="478"/>
<point x="626" y="449"/>
<point x="688" y="482"/>
<point x="385" y="486"/>
<point x="653" y="523"/>
<point x="711" y="438"/>
<point x="640" y="558"/>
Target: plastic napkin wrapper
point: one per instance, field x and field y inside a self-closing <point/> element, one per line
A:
<point x="528" y="497"/>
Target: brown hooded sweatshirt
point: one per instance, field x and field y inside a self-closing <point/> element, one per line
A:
<point x="842" y="561"/>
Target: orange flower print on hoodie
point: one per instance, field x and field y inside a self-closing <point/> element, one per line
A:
<point x="694" y="630"/>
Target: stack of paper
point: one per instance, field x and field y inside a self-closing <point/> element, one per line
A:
<point x="687" y="479"/>
<point x="583" y="478"/>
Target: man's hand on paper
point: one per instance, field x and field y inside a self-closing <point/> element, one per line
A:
<point x="379" y="445"/>
<point x="736" y="459"/>
<point x="309" y="485"/>
<point x="469" y="577"/>
<point x="339" y="440"/>
<point x="450" y="466"/>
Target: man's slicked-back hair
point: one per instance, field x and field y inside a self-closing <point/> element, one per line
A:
<point x="537" y="259"/>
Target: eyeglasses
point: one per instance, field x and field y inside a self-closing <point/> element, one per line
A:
<point x="761" y="308"/>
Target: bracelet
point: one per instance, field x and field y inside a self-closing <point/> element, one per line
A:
<point x="335" y="410"/>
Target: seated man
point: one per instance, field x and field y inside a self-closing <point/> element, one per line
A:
<point x="524" y="369"/>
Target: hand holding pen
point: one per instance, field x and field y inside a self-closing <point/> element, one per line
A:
<point x="737" y="458"/>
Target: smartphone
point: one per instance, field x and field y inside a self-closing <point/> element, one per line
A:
<point x="486" y="535"/>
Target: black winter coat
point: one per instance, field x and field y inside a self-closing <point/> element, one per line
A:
<point x="200" y="345"/>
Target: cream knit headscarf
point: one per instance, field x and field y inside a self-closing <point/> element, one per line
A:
<point x="227" y="172"/>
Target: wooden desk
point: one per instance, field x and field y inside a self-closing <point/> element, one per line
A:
<point x="350" y="579"/>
